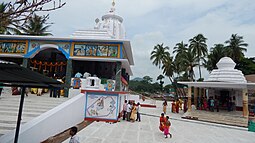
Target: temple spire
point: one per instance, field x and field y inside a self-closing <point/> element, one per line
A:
<point x="113" y="8"/>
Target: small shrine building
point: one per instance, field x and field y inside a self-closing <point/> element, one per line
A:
<point x="226" y="84"/>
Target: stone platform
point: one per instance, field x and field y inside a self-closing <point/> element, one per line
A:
<point x="233" y="118"/>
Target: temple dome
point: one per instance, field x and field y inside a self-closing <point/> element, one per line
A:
<point x="226" y="72"/>
<point x="110" y="27"/>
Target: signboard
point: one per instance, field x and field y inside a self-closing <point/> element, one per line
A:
<point x="92" y="50"/>
<point x="13" y="47"/>
<point x="101" y="106"/>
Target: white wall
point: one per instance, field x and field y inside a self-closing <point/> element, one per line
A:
<point x="48" y="124"/>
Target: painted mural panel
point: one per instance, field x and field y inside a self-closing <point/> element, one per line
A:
<point x="91" y="50"/>
<point x="13" y="47"/>
<point x="63" y="45"/>
<point x="101" y="106"/>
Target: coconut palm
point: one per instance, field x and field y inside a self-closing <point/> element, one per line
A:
<point x="179" y="49"/>
<point x="216" y="53"/>
<point x="199" y="48"/>
<point x="189" y="61"/>
<point x="7" y="25"/>
<point x="236" y="47"/>
<point x="36" y="26"/>
<point x="158" y="54"/>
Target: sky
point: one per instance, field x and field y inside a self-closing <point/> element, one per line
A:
<point x="152" y="22"/>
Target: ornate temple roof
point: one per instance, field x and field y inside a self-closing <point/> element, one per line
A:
<point x="110" y="27"/>
<point x="226" y="72"/>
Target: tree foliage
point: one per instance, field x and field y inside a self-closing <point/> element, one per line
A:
<point x="21" y="10"/>
<point x="158" y="54"/>
<point x="235" y="47"/>
<point x="199" y="48"/>
<point x="36" y="26"/>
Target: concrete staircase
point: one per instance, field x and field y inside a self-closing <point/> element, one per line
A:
<point x="33" y="107"/>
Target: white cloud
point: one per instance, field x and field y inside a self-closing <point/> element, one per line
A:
<point x="151" y="22"/>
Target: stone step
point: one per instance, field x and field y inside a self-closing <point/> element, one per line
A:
<point x="39" y="110"/>
<point x="33" y="107"/>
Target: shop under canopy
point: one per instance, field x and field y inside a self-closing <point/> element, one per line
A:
<point x="14" y="75"/>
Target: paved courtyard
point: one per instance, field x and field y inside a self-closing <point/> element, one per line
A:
<point x="146" y="131"/>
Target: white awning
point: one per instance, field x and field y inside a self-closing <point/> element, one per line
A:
<point x="220" y="85"/>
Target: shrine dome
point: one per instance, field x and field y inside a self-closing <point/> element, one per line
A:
<point x="226" y="72"/>
<point x="109" y="27"/>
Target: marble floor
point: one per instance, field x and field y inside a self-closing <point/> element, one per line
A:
<point x="146" y="131"/>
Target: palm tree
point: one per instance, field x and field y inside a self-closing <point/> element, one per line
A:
<point x="199" y="48"/>
<point x="216" y="53"/>
<point x="7" y="25"/>
<point x="36" y="26"/>
<point x="158" y="54"/>
<point x="180" y="48"/>
<point x="189" y="61"/>
<point x="236" y="47"/>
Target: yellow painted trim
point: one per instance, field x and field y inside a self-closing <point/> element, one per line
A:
<point x="72" y="49"/>
<point x="16" y="41"/>
<point x="118" y="51"/>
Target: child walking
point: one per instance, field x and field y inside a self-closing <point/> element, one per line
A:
<point x="167" y="127"/>
<point x="74" y="138"/>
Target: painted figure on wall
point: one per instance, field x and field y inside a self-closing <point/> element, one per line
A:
<point x="12" y="47"/>
<point x="102" y="51"/>
<point x="101" y="106"/>
<point x="113" y="51"/>
<point x="79" y="50"/>
<point x="91" y="50"/>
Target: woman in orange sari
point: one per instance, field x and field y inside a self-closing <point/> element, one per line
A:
<point x="133" y="112"/>
<point x="162" y="121"/>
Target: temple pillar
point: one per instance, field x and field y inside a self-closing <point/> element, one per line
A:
<point x="189" y="98"/>
<point x="195" y="96"/>
<point x="69" y="70"/>
<point x="245" y="103"/>
<point x="118" y="76"/>
<point x="25" y="62"/>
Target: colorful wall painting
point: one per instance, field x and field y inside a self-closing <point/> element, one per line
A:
<point x="13" y="47"/>
<point x="101" y="106"/>
<point x="91" y="50"/>
<point x="37" y="44"/>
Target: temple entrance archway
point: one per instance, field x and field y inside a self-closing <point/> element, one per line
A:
<point x="50" y="62"/>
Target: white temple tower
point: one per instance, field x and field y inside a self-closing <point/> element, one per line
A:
<point x="109" y="27"/>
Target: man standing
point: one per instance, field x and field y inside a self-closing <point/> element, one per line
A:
<point x="128" y="110"/>
<point x="138" y="112"/>
<point x="124" y="110"/>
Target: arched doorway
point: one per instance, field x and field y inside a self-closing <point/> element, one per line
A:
<point x="50" y="62"/>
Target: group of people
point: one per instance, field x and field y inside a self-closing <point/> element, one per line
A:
<point x="130" y="109"/>
<point x="164" y="125"/>
<point x="177" y="105"/>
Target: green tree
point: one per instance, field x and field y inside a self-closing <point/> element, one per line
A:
<point x="236" y="46"/>
<point x="36" y="26"/>
<point x="189" y="61"/>
<point x="179" y="49"/>
<point x="161" y="82"/>
<point x="158" y="54"/>
<point x="199" y="48"/>
<point x="147" y="79"/>
<point x="217" y="52"/>
<point x="7" y="25"/>
<point x="247" y="66"/>
<point x="20" y="10"/>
